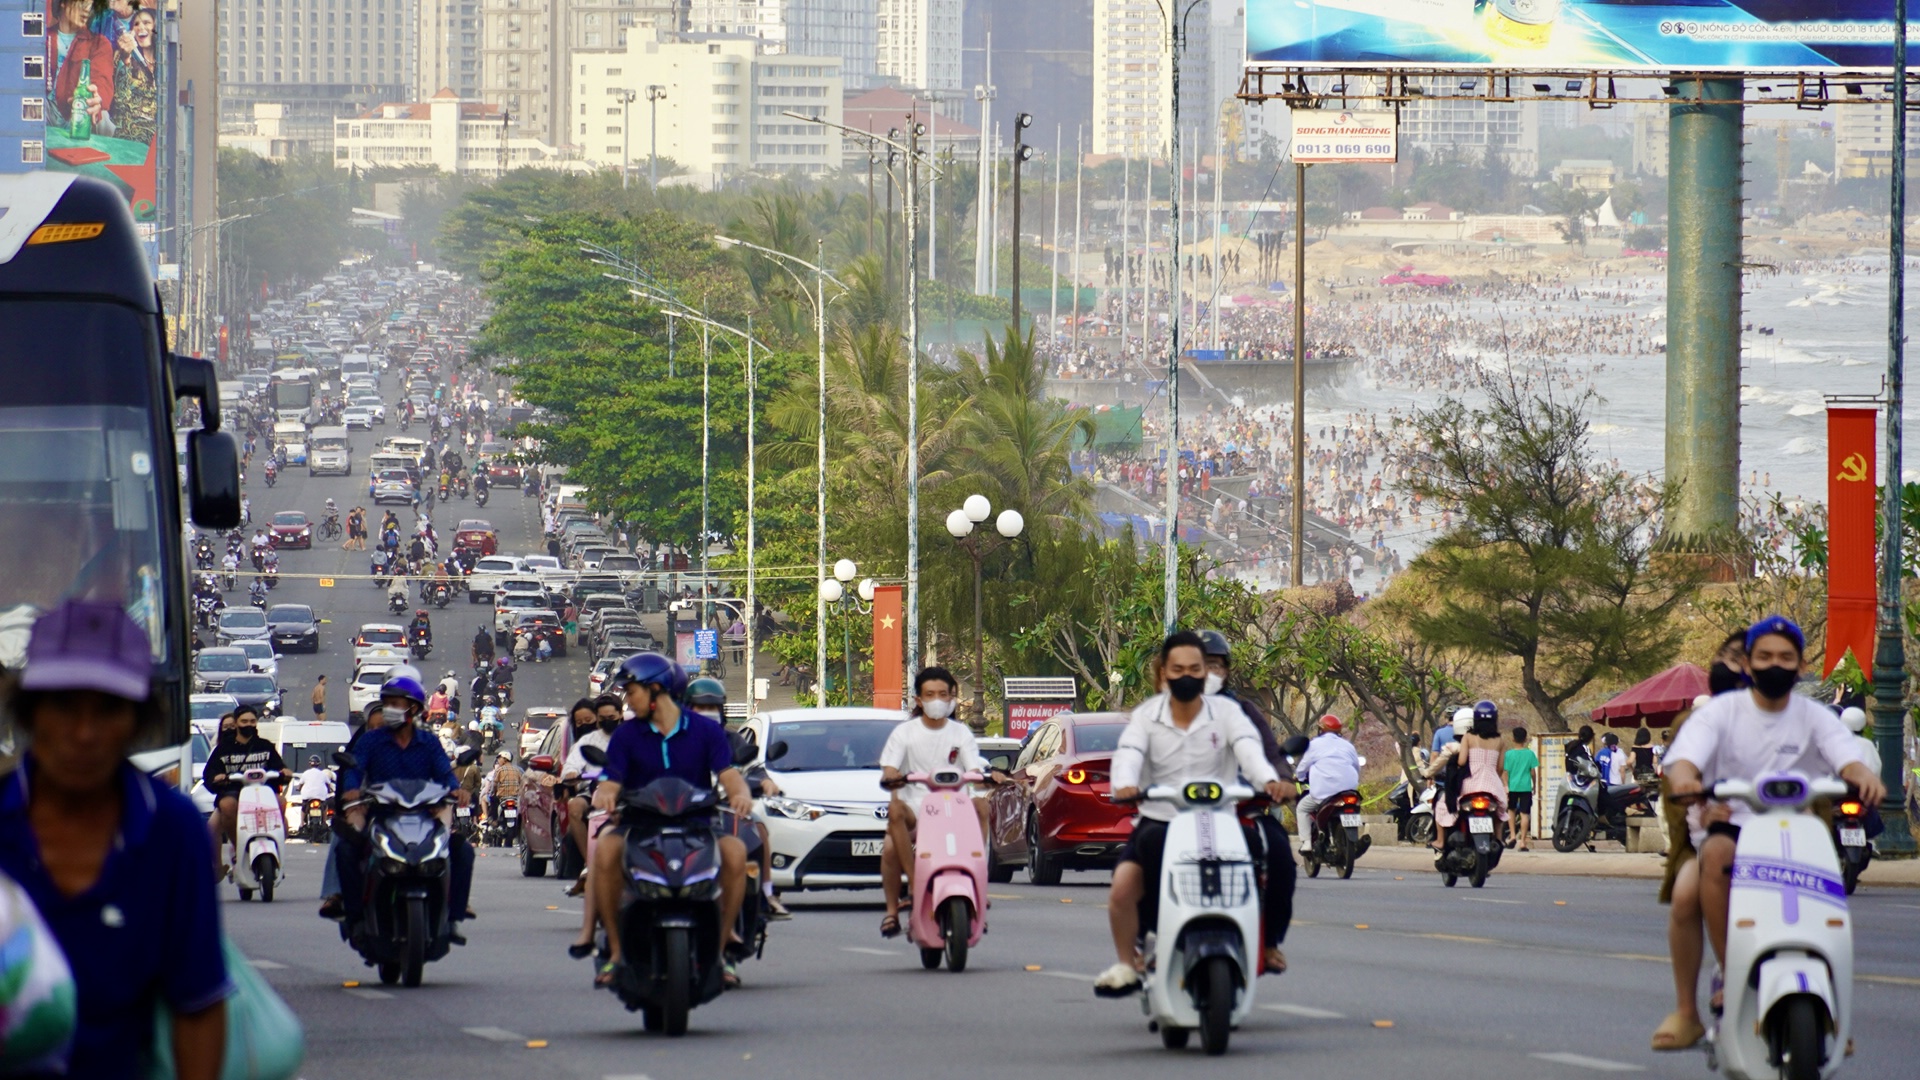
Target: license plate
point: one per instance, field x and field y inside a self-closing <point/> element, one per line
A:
<point x="867" y="847"/>
<point x="465" y="811"/>
<point x="1853" y="837"/>
<point x="1480" y="824"/>
<point x="1351" y="821"/>
<point x="511" y="814"/>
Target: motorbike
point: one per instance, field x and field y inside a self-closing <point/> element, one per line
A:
<point x="229" y="581"/>
<point x="1473" y="844"/>
<point x="440" y="593"/>
<point x="480" y="497"/>
<point x="1337" y="842"/>
<point x="259" y="834"/>
<point x="1412" y="821"/>
<point x="403" y="924"/>
<point x="203" y="555"/>
<point x="669" y="914"/>
<point x="206" y="611"/>
<point x="1592" y="809"/>
<point x="257" y="592"/>
<point x="1789" y="972"/>
<point x="1850" y="839"/>
<point x="503" y="830"/>
<point x="1201" y="973"/>
<point x="460" y="486"/>
<point x="418" y="643"/>
<point x="272" y="473"/>
<point x="315" y="821"/>
<point x="397" y="601"/>
<point x="950" y="887"/>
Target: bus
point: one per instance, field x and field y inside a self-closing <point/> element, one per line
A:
<point x="91" y="500"/>
<point x="291" y="393"/>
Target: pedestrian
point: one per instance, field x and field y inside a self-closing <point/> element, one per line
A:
<point x="1644" y="758"/>
<point x="1611" y="759"/>
<point x="116" y="862"/>
<point x="1522" y="765"/>
<point x="319" y="698"/>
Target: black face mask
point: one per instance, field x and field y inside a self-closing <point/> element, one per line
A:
<point x="607" y="725"/>
<point x="1186" y="687"/>
<point x="1774" y="683"/>
<point x="1722" y="677"/>
<point x="246" y="733"/>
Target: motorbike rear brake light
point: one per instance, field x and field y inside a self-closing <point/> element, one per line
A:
<point x="1851" y="809"/>
<point x="1480" y="804"/>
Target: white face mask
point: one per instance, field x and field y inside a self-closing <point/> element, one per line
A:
<point x="937" y="708"/>
<point x="1215" y="681"/>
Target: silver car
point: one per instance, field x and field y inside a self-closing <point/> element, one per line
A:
<point x="239" y="624"/>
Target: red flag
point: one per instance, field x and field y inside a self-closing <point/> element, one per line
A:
<point x="889" y="632"/>
<point x="1851" y="586"/>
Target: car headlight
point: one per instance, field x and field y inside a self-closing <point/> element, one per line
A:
<point x="792" y="809"/>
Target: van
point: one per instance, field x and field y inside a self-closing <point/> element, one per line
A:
<point x="414" y="449"/>
<point x="300" y="739"/>
<point x="407" y="463"/>
<point x="329" y="452"/>
<point x="291" y="436"/>
<point x="355" y="364"/>
<point x="231" y="391"/>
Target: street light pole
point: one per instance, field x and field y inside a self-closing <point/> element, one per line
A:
<point x="1021" y="153"/>
<point x="626" y="131"/>
<point x="655" y="93"/>
<point x="960" y="524"/>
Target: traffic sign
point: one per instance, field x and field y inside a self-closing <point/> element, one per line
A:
<point x="706" y="644"/>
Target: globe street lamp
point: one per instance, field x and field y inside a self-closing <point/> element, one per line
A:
<point x="833" y="593"/>
<point x="960" y="524"/>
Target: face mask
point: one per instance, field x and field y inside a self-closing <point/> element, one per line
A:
<point x="1774" y="683"/>
<point x="246" y="732"/>
<point x="1186" y="687"/>
<point x="936" y="708"/>
<point x="1721" y="678"/>
<point x="1215" y="681"/>
<point x="607" y="725"/>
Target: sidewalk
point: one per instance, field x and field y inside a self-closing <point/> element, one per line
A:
<point x="1544" y="860"/>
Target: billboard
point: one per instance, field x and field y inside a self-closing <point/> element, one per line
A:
<point x="1324" y="136"/>
<point x="103" y="80"/>
<point x="1574" y="35"/>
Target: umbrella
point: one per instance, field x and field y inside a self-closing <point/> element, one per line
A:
<point x="1657" y="700"/>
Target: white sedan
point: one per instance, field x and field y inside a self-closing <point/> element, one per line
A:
<point x="364" y="690"/>
<point x="829" y="820"/>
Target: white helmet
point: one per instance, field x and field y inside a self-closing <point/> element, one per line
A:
<point x="1462" y="721"/>
<point x="1854" y="717"/>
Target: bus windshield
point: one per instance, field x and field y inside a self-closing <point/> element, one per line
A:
<point x="80" y="468"/>
<point x="289" y="394"/>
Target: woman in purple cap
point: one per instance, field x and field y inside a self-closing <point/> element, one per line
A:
<point x="115" y="861"/>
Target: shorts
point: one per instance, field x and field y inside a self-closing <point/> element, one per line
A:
<point x="1520" y="802"/>
<point x="1146" y="846"/>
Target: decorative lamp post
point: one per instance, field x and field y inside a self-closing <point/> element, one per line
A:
<point x="833" y="594"/>
<point x="960" y="525"/>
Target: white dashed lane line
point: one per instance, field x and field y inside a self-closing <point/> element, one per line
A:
<point x="1582" y="1061"/>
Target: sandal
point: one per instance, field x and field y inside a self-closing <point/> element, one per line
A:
<point x="604" y="977"/>
<point x="579" y="950"/>
<point x="890" y="926"/>
<point x="1677" y="1033"/>
<point x="730" y="975"/>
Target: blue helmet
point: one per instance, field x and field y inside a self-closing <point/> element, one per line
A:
<point x="651" y="668"/>
<point x="1486" y="710"/>
<point x="405" y="686"/>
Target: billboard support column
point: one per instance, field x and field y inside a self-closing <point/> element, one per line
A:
<point x="1298" y="512"/>
<point x="1703" y="309"/>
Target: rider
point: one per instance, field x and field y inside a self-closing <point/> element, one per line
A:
<point x="1330" y="766"/>
<point x="228" y="764"/>
<point x="422" y="626"/>
<point x="928" y="740"/>
<point x="482" y="646"/>
<point x="592" y="728"/>
<point x="707" y="696"/>
<point x="402" y="750"/>
<point x="1478" y="755"/>
<point x="315" y="783"/>
<point x="637" y="755"/>
<point x="1176" y="736"/>
<point x="504" y="782"/>
<point x="1741" y="736"/>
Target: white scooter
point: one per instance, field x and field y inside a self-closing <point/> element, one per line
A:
<point x="1789" y="970"/>
<point x="1201" y="971"/>
<point x="259" y="836"/>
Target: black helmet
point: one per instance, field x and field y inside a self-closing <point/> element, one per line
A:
<point x="1214" y="643"/>
<point x="706" y="690"/>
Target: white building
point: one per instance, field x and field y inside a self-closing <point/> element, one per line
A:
<point x="1650" y="140"/>
<point x="449" y="134"/>
<point x="1133" y="81"/>
<point x="723" y="113"/>
<point x="525" y="46"/>
<point x="839" y="28"/>
<point x="918" y="43"/>
<point x="1467" y="129"/>
<point x="448" y="42"/>
<point x="1863" y="142"/>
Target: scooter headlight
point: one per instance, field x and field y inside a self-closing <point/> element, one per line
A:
<point x="388" y="848"/>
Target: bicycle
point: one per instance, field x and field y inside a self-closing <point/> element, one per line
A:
<point x="330" y="528"/>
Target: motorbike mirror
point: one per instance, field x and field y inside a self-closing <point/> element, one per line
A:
<point x="777" y="751"/>
<point x="594" y="755"/>
<point x="345" y="760"/>
<point x="745" y="753"/>
<point x="467" y="756"/>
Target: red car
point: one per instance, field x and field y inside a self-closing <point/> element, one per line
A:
<point x="291" y="529"/>
<point x="1056" y="815"/>
<point x="543" y="808"/>
<point x="477" y="535"/>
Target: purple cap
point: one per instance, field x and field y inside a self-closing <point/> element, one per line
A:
<point x="1775" y="624"/>
<point x="89" y="645"/>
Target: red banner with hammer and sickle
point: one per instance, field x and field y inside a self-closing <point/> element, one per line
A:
<point x="1851" y="585"/>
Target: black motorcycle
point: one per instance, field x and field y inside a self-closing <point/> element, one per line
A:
<point x="480" y="496"/>
<point x="441" y="594"/>
<point x="460" y="486"/>
<point x="315" y="821"/>
<point x="403" y="921"/>
<point x="1412" y="824"/>
<point x="396" y="603"/>
<point x="1473" y="843"/>
<point x="1850" y="838"/>
<point x="669" y="919"/>
<point x="1337" y="840"/>
<point x="1591" y="809"/>
<point x="750" y="926"/>
<point x="503" y="828"/>
<point x="419" y="644"/>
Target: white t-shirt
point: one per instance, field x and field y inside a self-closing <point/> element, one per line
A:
<point x="913" y="747"/>
<point x="315" y="783"/>
<point x="577" y="763"/>
<point x="1731" y="738"/>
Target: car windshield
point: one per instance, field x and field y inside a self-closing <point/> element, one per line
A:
<point x="250" y="684"/>
<point x="1097" y="738"/>
<point x="257" y="650"/>
<point x="213" y="661"/>
<point x="823" y="745"/>
<point x="290" y="613"/>
<point x="242" y="620"/>
<point x="475" y="526"/>
<point x="211" y="710"/>
<point x="289" y="517"/>
<point x="80" y="458"/>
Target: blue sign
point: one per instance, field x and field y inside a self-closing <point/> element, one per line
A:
<point x="706" y="644"/>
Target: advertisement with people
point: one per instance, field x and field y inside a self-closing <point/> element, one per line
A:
<point x="1575" y="35"/>
<point x="103" y="94"/>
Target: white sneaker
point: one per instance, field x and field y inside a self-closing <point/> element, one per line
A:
<point x="1120" y="980"/>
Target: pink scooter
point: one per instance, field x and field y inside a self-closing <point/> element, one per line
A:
<point x="949" y="871"/>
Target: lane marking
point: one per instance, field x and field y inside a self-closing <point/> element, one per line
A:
<point x="1464" y="939"/>
<point x="494" y="1034"/>
<point x="267" y="965"/>
<point x="368" y="993"/>
<point x="1636" y="956"/>
<point x="1074" y="975"/>
<point x="865" y="951"/>
<point x="1307" y="1012"/>
<point x="1489" y="900"/>
<point x="1889" y="980"/>
<point x="1582" y="1061"/>
<point x="627" y="1076"/>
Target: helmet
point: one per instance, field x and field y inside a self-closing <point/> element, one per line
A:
<point x="313" y="761"/>
<point x="1854" y="717"/>
<point x="1330" y="722"/>
<point x="503" y="661"/>
<point x="1214" y="643"/>
<point x="652" y="668"/>
<point x="1486" y="710"/>
<point x="503" y="756"/>
<point x="406" y="686"/>
<point x="706" y="690"/>
<point x="1462" y="721"/>
<point x="420" y="613"/>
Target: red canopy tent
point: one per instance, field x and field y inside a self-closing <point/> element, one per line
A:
<point x="1657" y="701"/>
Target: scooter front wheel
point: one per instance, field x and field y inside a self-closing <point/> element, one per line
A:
<point x="1570" y="830"/>
<point x="1801" y="1036"/>
<point x="957" y="921"/>
<point x="677" y="968"/>
<point x="1216" y="1007"/>
<point x="264" y="871"/>
<point x="414" y="960"/>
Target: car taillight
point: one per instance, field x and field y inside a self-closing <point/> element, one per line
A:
<point x="1076" y="776"/>
<point x="1850" y="808"/>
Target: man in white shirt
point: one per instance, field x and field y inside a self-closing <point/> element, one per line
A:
<point x="1330" y="766"/>
<point x="1175" y="737"/>
<point x="925" y="742"/>
<point x="315" y="783"/>
<point x="1742" y="735"/>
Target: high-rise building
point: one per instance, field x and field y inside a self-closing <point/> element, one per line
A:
<point x="918" y="44"/>
<point x="1468" y="129"/>
<point x="1042" y="61"/>
<point x="23" y="53"/>
<point x="1650" y="140"/>
<point x="525" y="45"/>
<point x="1863" y="142"/>
<point x="840" y="28"/>
<point x="448" y="39"/>
<point x="320" y="58"/>
<point x="1133" y="80"/>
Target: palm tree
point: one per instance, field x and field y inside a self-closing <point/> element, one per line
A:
<point x="1021" y="445"/>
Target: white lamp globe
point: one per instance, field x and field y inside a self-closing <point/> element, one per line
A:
<point x="844" y="570"/>
<point x="1009" y="523"/>
<point x="977" y="507"/>
<point x="830" y="591"/>
<point x="959" y="524"/>
<point x="866" y="589"/>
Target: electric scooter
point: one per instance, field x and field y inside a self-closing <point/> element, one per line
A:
<point x="1789" y="984"/>
<point x="1201" y="972"/>
<point x="259" y="834"/>
<point x="1850" y="819"/>
<point x="949" y="871"/>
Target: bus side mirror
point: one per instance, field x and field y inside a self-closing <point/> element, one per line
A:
<point x="213" y="479"/>
<point x="198" y="379"/>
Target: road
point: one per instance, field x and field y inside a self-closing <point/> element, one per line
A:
<point x="1534" y="977"/>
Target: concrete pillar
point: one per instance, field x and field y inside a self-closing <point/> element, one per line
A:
<point x="1704" y="199"/>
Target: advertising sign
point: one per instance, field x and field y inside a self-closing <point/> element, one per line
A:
<point x="1321" y="135"/>
<point x="1024" y="716"/>
<point x="1033" y="700"/>
<point x="1574" y="35"/>
<point x="102" y="103"/>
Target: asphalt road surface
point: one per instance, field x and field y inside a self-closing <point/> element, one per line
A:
<point x="1531" y="977"/>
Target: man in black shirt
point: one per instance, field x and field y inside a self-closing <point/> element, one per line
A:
<point x="229" y="763"/>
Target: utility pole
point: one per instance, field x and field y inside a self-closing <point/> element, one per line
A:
<point x="1176" y="41"/>
<point x="933" y="186"/>
<point x="1079" y="174"/>
<point x="1299" y="508"/>
<point x="626" y="131"/>
<point x="1053" y="295"/>
<point x="1021" y="153"/>
<point x="655" y="94"/>
<point x="983" y="93"/>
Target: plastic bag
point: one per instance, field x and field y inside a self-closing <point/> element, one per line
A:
<point x="37" y="1009"/>
<point x="264" y="1038"/>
